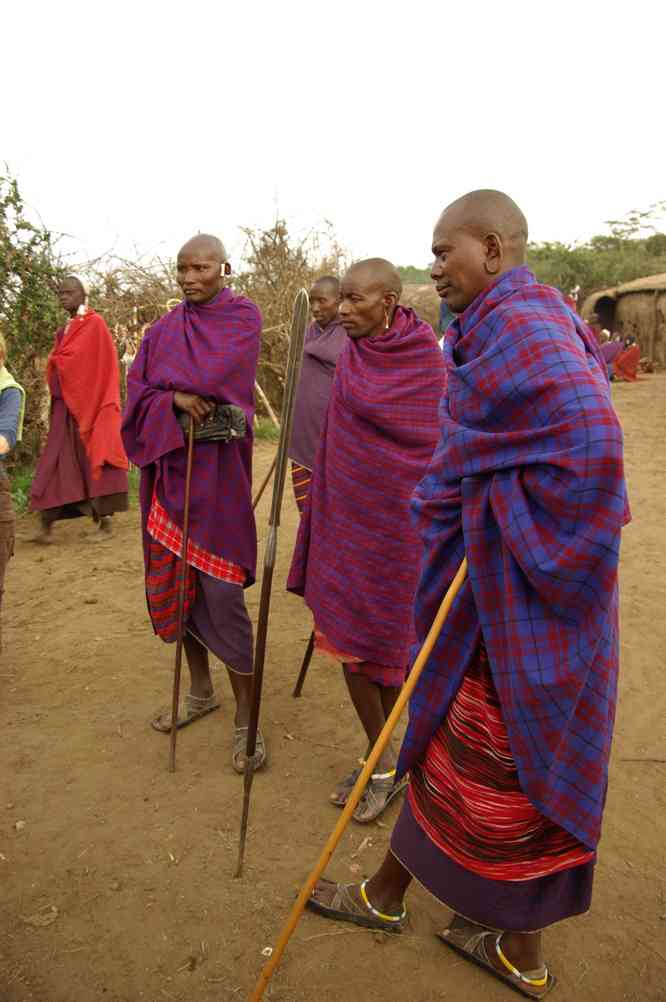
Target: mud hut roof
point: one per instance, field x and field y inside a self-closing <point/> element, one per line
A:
<point x="648" y="284"/>
<point x="590" y="304"/>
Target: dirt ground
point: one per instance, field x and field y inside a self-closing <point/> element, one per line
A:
<point x="116" y="876"/>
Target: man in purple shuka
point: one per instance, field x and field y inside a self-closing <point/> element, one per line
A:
<point x="201" y="354"/>
<point x="324" y="341"/>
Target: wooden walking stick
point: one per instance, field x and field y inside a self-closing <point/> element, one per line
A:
<point x="359" y="787"/>
<point x="264" y="483"/>
<point x="298" y="325"/>
<point x="182" y="585"/>
<point x="307" y="658"/>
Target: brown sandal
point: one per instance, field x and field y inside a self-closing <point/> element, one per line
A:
<point x="345" y="908"/>
<point x="345" y="786"/>
<point x="196" y="707"/>
<point x="238" y="751"/>
<point x="469" y="941"/>
<point x="378" y="794"/>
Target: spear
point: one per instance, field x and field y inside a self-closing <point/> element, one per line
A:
<point x="298" y="325"/>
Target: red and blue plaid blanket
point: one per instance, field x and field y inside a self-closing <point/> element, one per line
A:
<point x="528" y="482"/>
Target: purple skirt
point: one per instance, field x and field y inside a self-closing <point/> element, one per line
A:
<point x="219" y="620"/>
<point x="505" y="905"/>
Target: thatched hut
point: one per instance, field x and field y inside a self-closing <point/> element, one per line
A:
<point x="635" y="309"/>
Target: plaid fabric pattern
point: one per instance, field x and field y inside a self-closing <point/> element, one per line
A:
<point x="170" y="535"/>
<point x="528" y="481"/>
<point x="354" y="560"/>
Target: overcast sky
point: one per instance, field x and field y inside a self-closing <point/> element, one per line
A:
<point x="134" y="125"/>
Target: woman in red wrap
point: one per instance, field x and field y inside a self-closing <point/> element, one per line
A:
<point x="83" y="467"/>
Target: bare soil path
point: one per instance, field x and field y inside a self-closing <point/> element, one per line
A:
<point x="129" y="869"/>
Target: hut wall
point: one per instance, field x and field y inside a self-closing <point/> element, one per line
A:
<point x="643" y="315"/>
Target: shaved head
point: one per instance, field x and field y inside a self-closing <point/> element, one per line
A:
<point x="377" y="273"/>
<point x="487" y="211"/>
<point x="328" y="284"/>
<point x="369" y="294"/>
<point x="77" y="282"/>
<point x="477" y="238"/>
<point x="325" y="299"/>
<point x="205" y="243"/>
<point x="200" y="268"/>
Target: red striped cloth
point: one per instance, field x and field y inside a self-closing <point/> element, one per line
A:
<point x="162" y="581"/>
<point x="300" y="479"/>
<point x="170" y="535"/>
<point x="391" y="677"/>
<point x="466" y="797"/>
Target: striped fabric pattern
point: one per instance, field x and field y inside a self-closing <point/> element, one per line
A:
<point x="356" y="555"/>
<point x="528" y="482"/>
<point x="300" y="479"/>
<point x="466" y="795"/>
<point x="162" y="584"/>
<point x="386" y="675"/>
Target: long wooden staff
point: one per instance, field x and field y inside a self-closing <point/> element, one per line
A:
<point x="298" y="325"/>
<point x="182" y="586"/>
<point x="359" y="787"/>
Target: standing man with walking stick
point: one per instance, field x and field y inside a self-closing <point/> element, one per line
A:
<point x="512" y="718"/>
<point x="199" y="361"/>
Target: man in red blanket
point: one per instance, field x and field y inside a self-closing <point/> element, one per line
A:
<point x="356" y="559"/>
<point x="511" y="720"/>
<point x="83" y="467"/>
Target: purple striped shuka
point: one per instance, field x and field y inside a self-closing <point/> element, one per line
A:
<point x="210" y="349"/>
<point x="357" y="557"/>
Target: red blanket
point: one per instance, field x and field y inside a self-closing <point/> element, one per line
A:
<point x="85" y="360"/>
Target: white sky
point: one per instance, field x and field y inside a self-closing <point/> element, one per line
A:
<point x="133" y="125"/>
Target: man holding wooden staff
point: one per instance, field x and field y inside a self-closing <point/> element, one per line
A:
<point x="200" y="360"/>
<point x="353" y="561"/>
<point x="511" y="721"/>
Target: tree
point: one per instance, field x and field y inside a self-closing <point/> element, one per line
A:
<point x="29" y="310"/>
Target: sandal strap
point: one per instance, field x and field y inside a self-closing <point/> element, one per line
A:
<point x="383" y="775"/>
<point x="199" y="700"/>
<point x="375" y="912"/>
<point x="539" y="982"/>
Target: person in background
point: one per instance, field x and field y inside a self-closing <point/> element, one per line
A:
<point x="324" y="340"/>
<point x="12" y="411"/>
<point x="83" y="467"/>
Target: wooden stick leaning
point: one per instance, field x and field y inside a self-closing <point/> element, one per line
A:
<point x="307" y="658"/>
<point x="298" y="326"/>
<point x="182" y="584"/>
<point x="264" y="483"/>
<point x="357" y="792"/>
